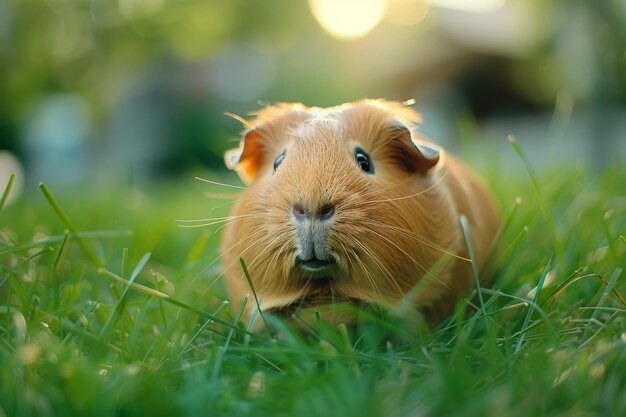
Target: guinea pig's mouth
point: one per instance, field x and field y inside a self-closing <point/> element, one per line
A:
<point x="315" y="267"/>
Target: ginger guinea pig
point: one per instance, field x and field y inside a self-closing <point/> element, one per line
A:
<point x="348" y="204"/>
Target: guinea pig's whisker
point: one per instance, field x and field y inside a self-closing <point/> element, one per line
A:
<point x="303" y="298"/>
<point x="224" y="225"/>
<point x="251" y="236"/>
<point x="385" y="271"/>
<point x="414" y="236"/>
<point x="235" y="261"/>
<point x="220" y="183"/>
<point x="404" y="197"/>
<point x="389" y="277"/>
<point x="426" y="271"/>
<point x="368" y="275"/>
<point x="374" y="191"/>
<point x="245" y="239"/>
<point x="269" y="245"/>
<point x="399" y="184"/>
<point x="191" y="226"/>
<point x="348" y="254"/>
<point x="215" y="220"/>
<point x="226" y="218"/>
<point x="223" y="205"/>
<point x="238" y="218"/>
<point x="273" y="262"/>
<point x="254" y="235"/>
<point x="285" y="249"/>
<point x="240" y="119"/>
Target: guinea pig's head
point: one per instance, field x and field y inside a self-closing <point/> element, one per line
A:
<point x="337" y="203"/>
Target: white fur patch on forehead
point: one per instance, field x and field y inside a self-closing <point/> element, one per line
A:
<point x="318" y="112"/>
<point x="321" y="123"/>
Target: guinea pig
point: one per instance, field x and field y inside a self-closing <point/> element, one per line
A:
<point x="348" y="204"/>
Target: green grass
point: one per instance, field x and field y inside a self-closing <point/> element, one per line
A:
<point x="108" y="308"/>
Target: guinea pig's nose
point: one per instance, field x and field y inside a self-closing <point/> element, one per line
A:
<point x="299" y="212"/>
<point x="325" y="212"/>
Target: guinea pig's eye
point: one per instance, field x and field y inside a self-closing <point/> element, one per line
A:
<point x="279" y="160"/>
<point x="363" y="159"/>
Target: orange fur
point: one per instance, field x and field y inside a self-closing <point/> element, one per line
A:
<point x="389" y="229"/>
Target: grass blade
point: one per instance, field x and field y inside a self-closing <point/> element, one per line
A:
<point x="7" y="190"/>
<point x="202" y="328"/>
<point x="222" y="349"/>
<point x="256" y="299"/>
<point x="55" y="278"/>
<point x="163" y="296"/>
<point x="65" y="219"/>
<point x="95" y="234"/>
<point x="197" y="248"/>
<point x="121" y="304"/>
<point x="507" y="252"/>
<point x="531" y="307"/>
<point x="502" y="229"/>
<point x="82" y="321"/>
<point x="161" y="309"/>
<point x="537" y="190"/>
<point x="561" y="289"/>
<point x="605" y="293"/>
<point x="607" y="232"/>
<point x="124" y="263"/>
<point x="406" y="305"/>
<point x="470" y="250"/>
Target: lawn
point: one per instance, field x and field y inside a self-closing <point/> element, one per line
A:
<point x="108" y="307"/>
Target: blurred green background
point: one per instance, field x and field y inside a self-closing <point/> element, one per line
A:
<point x="96" y="90"/>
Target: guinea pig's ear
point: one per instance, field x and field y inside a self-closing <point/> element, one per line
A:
<point x="413" y="157"/>
<point x="248" y="157"/>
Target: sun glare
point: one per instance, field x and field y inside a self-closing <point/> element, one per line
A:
<point x="407" y="12"/>
<point x="348" y="19"/>
<point x="477" y="6"/>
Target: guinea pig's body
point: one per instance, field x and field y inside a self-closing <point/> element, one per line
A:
<point x="346" y="204"/>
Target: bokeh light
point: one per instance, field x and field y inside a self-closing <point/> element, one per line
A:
<point x="470" y="5"/>
<point x="407" y="12"/>
<point x="348" y="19"/>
